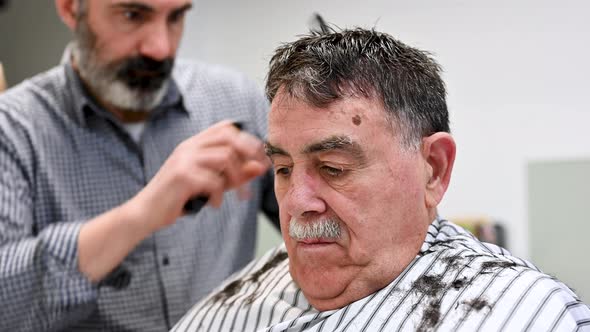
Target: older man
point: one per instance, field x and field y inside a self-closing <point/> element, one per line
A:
<point x="359" y="139"/>
<point x="98" y="159"/>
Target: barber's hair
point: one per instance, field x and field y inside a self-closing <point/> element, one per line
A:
<point x="321" y="68"/>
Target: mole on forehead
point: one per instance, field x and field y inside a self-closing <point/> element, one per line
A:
<point x="356" y="120"/>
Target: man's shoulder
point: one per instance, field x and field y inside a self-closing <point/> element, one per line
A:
<point x="477" y="266"/>
<point x="190" y="74"/>
<point x="33" y="94"/>
<point x="475" y="286"/>
<point x="452" y="236"/>
<point x="467" y="262"/>
<point x="455" y="248"/>
<point x="495" y="290"/>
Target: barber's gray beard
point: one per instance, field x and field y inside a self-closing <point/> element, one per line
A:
<point x="102" y="79"/>
<point x="324" y="228"/>
<point x="104" y="83"/>
<point x="118" y="94"/>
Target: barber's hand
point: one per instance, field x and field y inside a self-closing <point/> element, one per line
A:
<point x="208" y="164"/>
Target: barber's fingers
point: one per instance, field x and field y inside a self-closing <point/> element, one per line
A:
<point x="220" y="166"/>
<point x="254" y="168"/>
<point x="249" y="171"/>
<point x="251" y="148"/>
<point x="220" y="133"/>
<point x="224" y="133"/>
<point x="225" y="161"/>
<point x="210" y="184"/>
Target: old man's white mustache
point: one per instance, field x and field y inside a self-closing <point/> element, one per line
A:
<point x="325" y="228"/>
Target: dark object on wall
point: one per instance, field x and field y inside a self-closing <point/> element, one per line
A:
<point x="500" y="235"/>
<point x="486" y="229"/>
<point x="4" y="4"/>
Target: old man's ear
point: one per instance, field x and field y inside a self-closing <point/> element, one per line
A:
<point x="438" y="151"/>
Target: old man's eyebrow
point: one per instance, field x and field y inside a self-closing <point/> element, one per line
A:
<point x="272" y="150"/>
<point x="335" y="143"/>
<point x="134" y="5"/>
<point x="139" y="6"/>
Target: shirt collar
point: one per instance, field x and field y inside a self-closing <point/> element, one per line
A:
<point x="84" y="105"/>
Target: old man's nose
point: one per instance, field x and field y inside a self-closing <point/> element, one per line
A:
<point x="302" y="198"/>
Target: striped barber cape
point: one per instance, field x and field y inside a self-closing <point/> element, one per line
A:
<point x="455" y="283"/>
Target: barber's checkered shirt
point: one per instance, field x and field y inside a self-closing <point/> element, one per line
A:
<point x="64" y="161"/>
<point x="455" y="283"/>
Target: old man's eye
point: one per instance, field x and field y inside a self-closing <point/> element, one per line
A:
<point x="332" y="171"/>
<point x="282" y="171"/>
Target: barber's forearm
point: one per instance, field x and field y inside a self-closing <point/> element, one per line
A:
<point x="106" y="240"/>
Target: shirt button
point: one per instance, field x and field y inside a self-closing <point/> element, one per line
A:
<point x="165" y="260"/>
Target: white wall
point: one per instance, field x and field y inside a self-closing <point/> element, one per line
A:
<point x="516" y="73"/>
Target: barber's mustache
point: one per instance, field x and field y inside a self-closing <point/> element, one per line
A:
<point x="144" y="73"/>
<point x="325" y="228"/>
